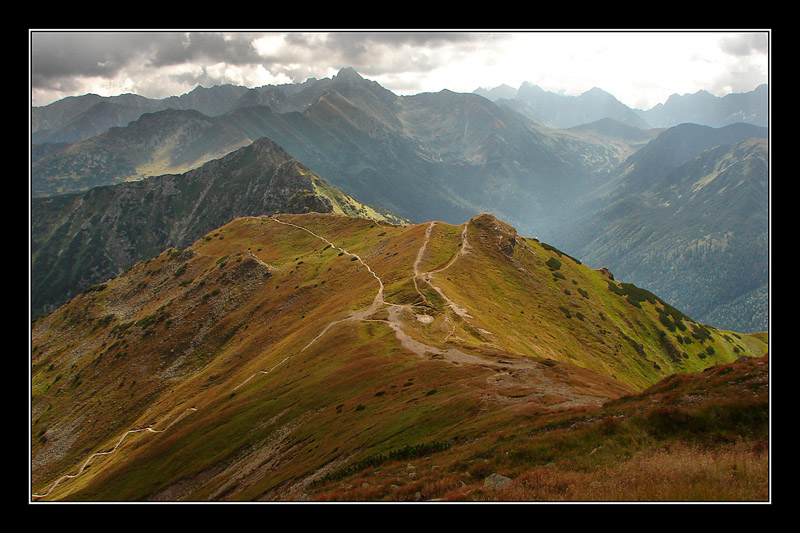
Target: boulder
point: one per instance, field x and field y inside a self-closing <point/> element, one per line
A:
<point x="496" y="481"/>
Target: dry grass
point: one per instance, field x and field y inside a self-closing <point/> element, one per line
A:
<point x="680" y="472"/>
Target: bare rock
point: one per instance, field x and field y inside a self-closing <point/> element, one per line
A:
<point x="496" y="481"/>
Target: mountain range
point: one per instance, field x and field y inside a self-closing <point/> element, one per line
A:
<point x="319" y="292"/>
<point x="565" y="111"/>
<point x="82" y="239"/>
<point x="430" y="156"/>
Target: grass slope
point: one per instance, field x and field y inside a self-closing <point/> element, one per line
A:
<point x="278" y="355"/>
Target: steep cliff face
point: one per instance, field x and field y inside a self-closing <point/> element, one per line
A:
<point x="80" y="240"/>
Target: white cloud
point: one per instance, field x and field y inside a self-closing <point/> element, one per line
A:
<point x="639" y="68"/>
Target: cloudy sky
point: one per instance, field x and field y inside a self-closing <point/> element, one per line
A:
<point x="640" y="68"/>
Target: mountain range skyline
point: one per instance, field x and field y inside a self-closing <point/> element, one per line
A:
<point x="641" y="68"/>
<point x="442" y="156"/>
<point x="493" y="92"/>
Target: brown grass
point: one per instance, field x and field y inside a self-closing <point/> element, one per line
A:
<point x="678" y="472"/>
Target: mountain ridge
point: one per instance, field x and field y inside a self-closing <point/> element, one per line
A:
<point x="390" y="337"/>
<point x="83" y="239"/>
<point x="47" y="120"/>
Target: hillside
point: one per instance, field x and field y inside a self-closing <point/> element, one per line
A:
<point x="83" y="239"/>
<point x="687" y="216"/>
<point x="167" y="142"/>
<point x="277" y="355"/>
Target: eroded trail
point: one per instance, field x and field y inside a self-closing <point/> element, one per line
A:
<point x="426" y="276"/>
<point x="417" y="261"/>
<point x="397" y="318"/>
<point x="394" y="311"/>
<point x="378" y="301"/>
<point x="112" y="450"/>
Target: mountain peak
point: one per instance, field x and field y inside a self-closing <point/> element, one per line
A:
<point x="597" y="92"/>
<point x="348" y="74"/>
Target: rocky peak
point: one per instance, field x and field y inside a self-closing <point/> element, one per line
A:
<point x="348" y="75"/>
<point x="496" y="232"/>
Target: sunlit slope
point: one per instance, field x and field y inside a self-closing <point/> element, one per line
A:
<point x="531" y="298"/>
<point x="278" y="350"/>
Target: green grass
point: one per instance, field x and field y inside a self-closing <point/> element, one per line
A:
<point x="355" y="396"/>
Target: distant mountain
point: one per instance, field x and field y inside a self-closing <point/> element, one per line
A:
<point x="687" y="217"/>
<point x="170" y="141"/>
<point x="563" y="111"/>
<point x="704" y="108"/>
<point x="81" y="117"/>
<point x="609" y="128"/>
<point x="82" y="239"/>
<point x="496" y="93"/>
<point x="77" y="118"/>
<point x="430" y="156"/>
<point x="284" y="357"/>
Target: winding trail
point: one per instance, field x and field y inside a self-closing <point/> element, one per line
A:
<point x="395" y="311"/>
<point x="396" y="321"/>
<point x="419" y="259"/>
<point x="112" y="450"/>
<point x="378" y="301"/>
<point x="426" y="276"/>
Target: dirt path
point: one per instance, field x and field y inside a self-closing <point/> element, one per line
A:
<point x="530" y="372"/>
<point x="419" y="259"/>
<point x="426" y="276"/>
<point x="378" y="301"/>
<point x="112" y="450"/>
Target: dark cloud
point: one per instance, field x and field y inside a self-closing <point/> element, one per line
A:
<point x="59" y="57"/>
<point x="175" y="49"/>
<point x="367" y="49"/>
<point x="56" y="55"/>
<point x="362" y="40"/>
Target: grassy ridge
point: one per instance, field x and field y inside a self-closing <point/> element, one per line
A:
<point x="250" y="327"/>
